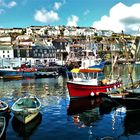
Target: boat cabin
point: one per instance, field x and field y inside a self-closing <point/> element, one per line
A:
<point x="87" y="75"/>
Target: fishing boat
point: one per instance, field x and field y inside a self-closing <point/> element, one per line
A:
<point x="130" y="96"/>
<point x="26" y="108"/>
<point x="17" y="73"/>
<point x="2" y="125"/>
<point x="10" y="73"/>
<point x="4" y="108"/>
<point x="90" y="82"/>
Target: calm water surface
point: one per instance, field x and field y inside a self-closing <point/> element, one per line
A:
<point x="63" y="119"/>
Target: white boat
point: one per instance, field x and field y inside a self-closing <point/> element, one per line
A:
<point x="3" y="107"/>
<point x="2" y="125"/>
<point x="26" y="108"/>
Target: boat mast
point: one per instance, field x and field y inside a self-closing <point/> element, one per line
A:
<point x="138" y="47"/>
<point x="127" y="61"/>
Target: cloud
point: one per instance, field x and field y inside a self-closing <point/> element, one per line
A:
<point x="8" y="5"/>
<point x="57" y="5"/>
<point x="72" y="20"/>
<point x="45" y="16"/>
<point x="11" y="4"/>
<point x="86" y="12"/>
<point x="121" y="17"/>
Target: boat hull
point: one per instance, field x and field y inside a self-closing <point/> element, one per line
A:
<point x="10" y="74"/>
<point x="26" y="129"/>
<point x="26" y="118"/>
<point x="4" y="108"/>
<point x="15" y="74"/>
<point x="2" y="126"/>
<point x="82" y="90"/>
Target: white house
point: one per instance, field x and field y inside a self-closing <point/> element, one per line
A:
<point x="6" y="52"/>
<point x="10" y="30"/>
<point x="105" y="33"/>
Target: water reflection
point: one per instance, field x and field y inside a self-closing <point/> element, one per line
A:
<point x="83" y="104"/>
<point x="16" y="88"/>
<point x="98" y="115"/>
<point x="132" y="123"/>
<point x="87" y="110"/>
<point x="104" y="119"/>
<point x="26" y="130"/>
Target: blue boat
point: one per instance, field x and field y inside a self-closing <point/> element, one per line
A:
<point x="22" y="72"/>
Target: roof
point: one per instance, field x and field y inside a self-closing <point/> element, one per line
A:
<point x="60" y="40"/>
<point x="43" y="47"/>
<point x="88" y="70"/>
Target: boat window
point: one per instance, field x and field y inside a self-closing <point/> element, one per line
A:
<point x="95" y="75"/>
<point x="91" y="75"/>
<point x="74" y="75"/>
<point x="85" y="75"/>
<point x="101" y="76"/>
<point x="80" y="75"/>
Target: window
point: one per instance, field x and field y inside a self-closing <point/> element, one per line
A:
<point x="3" y="51"/>
<point x="7" y="51"/>
<point x="8" y="56"/>
<point x="3" y="56"/>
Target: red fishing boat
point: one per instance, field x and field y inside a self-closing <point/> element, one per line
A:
<point x="90" y="82"/>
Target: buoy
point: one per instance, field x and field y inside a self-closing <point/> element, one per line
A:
<point x="92" y="94"/>
<point x="46" y="87"/>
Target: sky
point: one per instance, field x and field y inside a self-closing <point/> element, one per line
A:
<point x="115" y="15"/>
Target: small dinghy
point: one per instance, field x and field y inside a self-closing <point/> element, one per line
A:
<point x="26" y="108"/>
<point x="3" y="107"/>
<point x="2" y="125"/>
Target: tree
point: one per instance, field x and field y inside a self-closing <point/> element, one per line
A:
<point x="46" y="32"/>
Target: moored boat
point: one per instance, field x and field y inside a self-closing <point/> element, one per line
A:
<point x="46" y="74"/>
<point x="129" y="100"/>
<point x="26" y="108"/>
<point x="17" y="73"/>
<point x="90" y="82"/>
<point x="10" y="73"/>
<point x="4" y="108"/>
<point x="2" y="125"/>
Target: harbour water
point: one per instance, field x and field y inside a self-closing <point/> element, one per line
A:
<point x="88" y="121"/>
